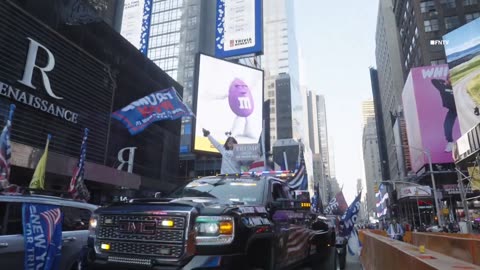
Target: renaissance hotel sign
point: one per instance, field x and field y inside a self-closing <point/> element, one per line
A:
<point x="31" y="99"/>
<point x="57" y="87"/>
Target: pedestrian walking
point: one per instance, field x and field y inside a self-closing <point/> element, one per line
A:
<point x="395" y="230"/>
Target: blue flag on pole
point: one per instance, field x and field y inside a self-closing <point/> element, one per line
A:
<point x="42" y="230"/>
<point x="158" y="106"/>
<point x="350" y="217"/>
<point x="6" y="151"/>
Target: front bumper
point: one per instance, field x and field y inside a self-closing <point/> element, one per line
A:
<point x="230" y="261"/>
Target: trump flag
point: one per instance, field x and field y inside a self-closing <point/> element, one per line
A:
<point x="42" y="230"/>
<point x="158" y="106"/>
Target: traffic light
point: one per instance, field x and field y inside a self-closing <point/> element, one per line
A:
<point x="375" y="188"/>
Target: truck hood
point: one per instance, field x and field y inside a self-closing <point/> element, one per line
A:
<point x="202" y="205"/>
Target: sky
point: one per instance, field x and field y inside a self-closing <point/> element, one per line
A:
<point x="338" y="40"/>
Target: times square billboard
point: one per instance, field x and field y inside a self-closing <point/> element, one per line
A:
<point x="462" y="48"/>
<point x="229" y="99"/>
<point x="430" y="115"/>
<point x="239" y="28"/>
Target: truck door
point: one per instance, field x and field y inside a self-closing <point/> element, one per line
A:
<point x="282" y="224"/>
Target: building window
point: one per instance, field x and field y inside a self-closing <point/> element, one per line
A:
<point x="192" y="21"/>
<point x="431" y="25"/>
<point x="472" y="16"/>
<point x="470" y="2"/>
<point x="448" y="3"/>
<point x="437" y="62"/>
<point x="427" y="6"/>
<point x="452" y="22"/>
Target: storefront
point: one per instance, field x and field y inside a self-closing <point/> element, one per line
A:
<point x="64" y="78"/>
<point x="415" y="205"/>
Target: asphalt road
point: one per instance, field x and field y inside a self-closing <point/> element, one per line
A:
<point x="353" y="263"/>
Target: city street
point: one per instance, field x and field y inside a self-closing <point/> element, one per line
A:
<point x="353" y="263"/>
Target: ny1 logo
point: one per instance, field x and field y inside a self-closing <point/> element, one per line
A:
<point x="30" y="65"/>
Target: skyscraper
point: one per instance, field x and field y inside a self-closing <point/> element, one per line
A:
<point x="280" y="60"/>
<point x="422" y="23"/>
<point x="371" y="155"/>
<point x="323" y="133"/>
<point x="390" y="81"/>
<point x="314" y="135"/>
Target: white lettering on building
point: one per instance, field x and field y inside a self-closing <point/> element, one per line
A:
<point x="131" y="158"/>
<point x="30" y="66"/>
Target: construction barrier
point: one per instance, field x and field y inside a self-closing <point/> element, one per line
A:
<point x="380" y="252"/>
<point x="406" y="238"/>
<point x="464" y="247"/>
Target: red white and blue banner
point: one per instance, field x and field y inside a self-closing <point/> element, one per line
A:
<point x="382" y="197"/>
<point x="6" y="151"/>
<point x="42" y="230"/>
<point x="77" y="187"/>
<point x="300" y="179"/>
<point x="158" y="106"/>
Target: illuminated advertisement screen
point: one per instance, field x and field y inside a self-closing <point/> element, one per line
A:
<point x="430" y="115"/>
<point x="462" y="48"/>
<point x="229" y="99"/>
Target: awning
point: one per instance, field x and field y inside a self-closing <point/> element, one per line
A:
<point x="28" y="157"/>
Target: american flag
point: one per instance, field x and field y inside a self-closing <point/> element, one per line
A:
<point x="52" y="218"/>
<point x="6" y="151"/>
<point x="77" y="187"/>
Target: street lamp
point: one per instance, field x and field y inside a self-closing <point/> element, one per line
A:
<point x="427" y="153"/>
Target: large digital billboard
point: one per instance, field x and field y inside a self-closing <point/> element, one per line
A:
<point x="462" y="47"/>
<point x="136" y="23"/>
<point x="430" y="115"/>
<point x="239" y="28"/>
<point x="229" y="99"/>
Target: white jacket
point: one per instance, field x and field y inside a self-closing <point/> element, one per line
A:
<point x="229" y="164"/>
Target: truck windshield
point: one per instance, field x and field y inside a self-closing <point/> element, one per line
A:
<point x="247" y="192"/>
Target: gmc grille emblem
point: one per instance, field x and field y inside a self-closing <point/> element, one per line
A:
<point x="138" y="227"/>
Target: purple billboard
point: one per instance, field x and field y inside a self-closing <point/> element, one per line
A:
<point x="430" y="115"/>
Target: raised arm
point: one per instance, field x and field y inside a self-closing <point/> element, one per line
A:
<point x="215" y="143"/>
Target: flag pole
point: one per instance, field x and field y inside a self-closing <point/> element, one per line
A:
<point x="263" y="146"/>
<point x="12" y="110"/>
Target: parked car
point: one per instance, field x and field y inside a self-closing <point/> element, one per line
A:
<point x="74" y="229"/>
<point x="221" y="222"/>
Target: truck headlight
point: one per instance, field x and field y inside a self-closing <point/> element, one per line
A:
<point x="92" y="224"/>
<point x="214" y="230"/>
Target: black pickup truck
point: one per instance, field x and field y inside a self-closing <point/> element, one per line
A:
<point x="221" y="222"/>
